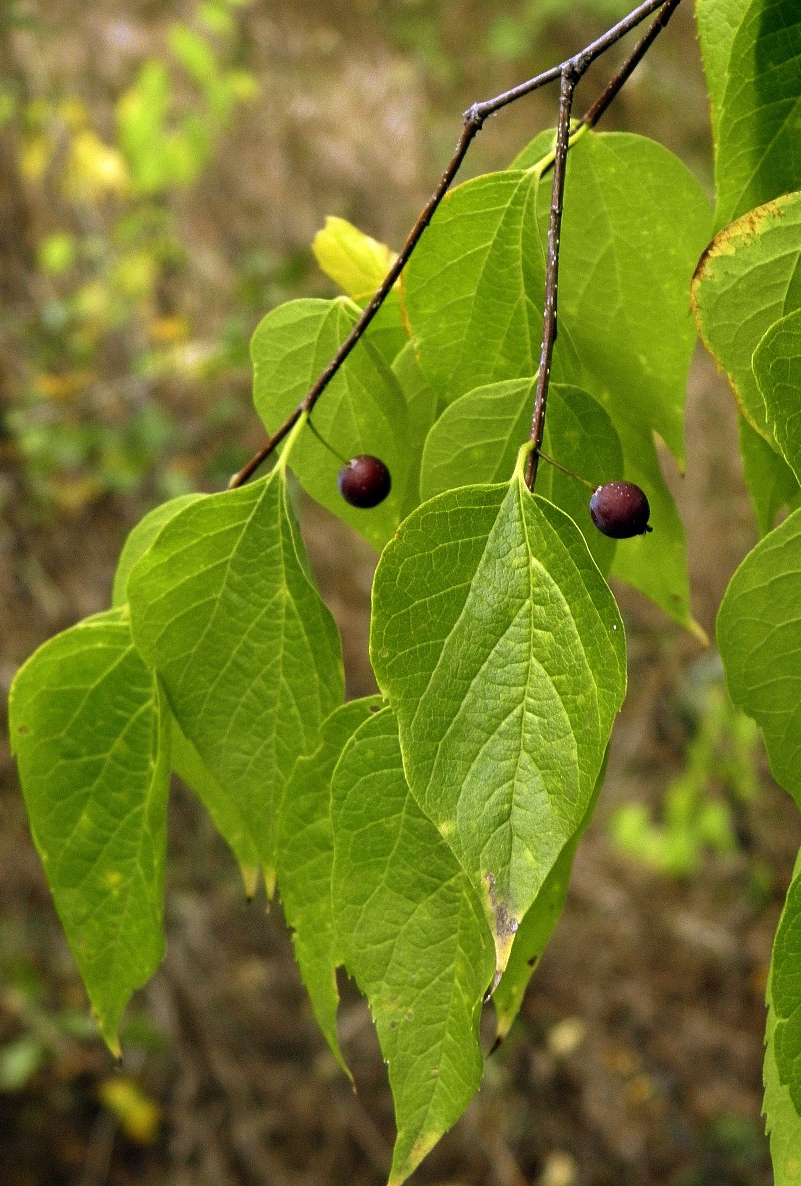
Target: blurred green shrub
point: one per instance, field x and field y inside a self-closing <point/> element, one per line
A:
<point x="698" y="813"/>
<point x="109" y="335"/>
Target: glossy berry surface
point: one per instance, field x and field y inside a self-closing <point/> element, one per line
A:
<point x="620" y="510"/>
<point x="364" y="482"/>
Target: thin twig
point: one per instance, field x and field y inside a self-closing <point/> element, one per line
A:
<point x="570" y="77"/>
<point x="549" y="317"/>
<point x="569" y="472"/>
<point x="474" y="119"/>
<point x="471" y="128"/>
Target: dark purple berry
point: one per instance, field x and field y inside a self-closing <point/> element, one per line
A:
<point x="620" y="509"/>
<point x="364" y="482"/>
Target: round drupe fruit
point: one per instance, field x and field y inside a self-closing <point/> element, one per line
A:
<point x="620" y="510"/>
<point x="364" y="482"/>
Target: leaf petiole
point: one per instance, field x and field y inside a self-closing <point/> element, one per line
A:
<point x="293" y="436"/>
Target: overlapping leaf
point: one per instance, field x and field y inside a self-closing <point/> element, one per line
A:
<point x="473" y="291"/>
<point x="413" y="934"/>
<point x="781" y="1086"/>
<point x="752" y="54"/>
<point x="478" y="437"/>
<point x="656" y="563"/>
<point x="227" y="815"/>
<point x="785" y="994"/>
<point x="537" y="927"/>
<point x="422" y="407"/>
<point x="305" y="854"/>
<point x="140" y="539"/>
<point x="635" y="223"/>
<point x="92" y="745"/>
<point x="362" y="410"/>
<point x="501" y="650"/>
<point x="777" y="369"/>
<point x="355" y="261"/>
<point x="224" y="609"/>
<point x="782" y="1121"/>
<point x="771" y="483"/>
<point x="748" y="279"/>
<point x="759" y="636"/>
<point x="185" y="760"/>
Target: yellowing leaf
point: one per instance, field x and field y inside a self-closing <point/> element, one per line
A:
<point x="353" y="260"/>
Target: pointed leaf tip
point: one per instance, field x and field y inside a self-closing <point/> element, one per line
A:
<point x="96" y="795"/>
<point x="413" y="934"/>
<point x="504" y="660"/>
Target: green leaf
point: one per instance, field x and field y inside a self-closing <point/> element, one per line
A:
<point x="186" y="761"/>
<point x="782" y="1121"/>
<point x="759" y="636"/>
<point x="222" y="807"/>
<point x="305" y="854"/>
<point x="473" y="291"/>
<point x="785" y="992"/>
<point x="386" y="333"/>
<point x="478" y="437"/>
<point x="656" y="563"/>
<point x="757" y="130"/>
<point x="140" y="539"/>
<point x="413" y="935"/>
<point x="782" y="1117"/>
<point x="362" y="410"/>
<point x="92" y="746"/>
<point x="535" y="930"/>
<point x="777" y="368"/>
<point x="501" y="650"/>
<point x="635" y="223"/>
<point x="422" y="408"/>
<point x="747" y="279"/>
<point x="771" y="483"/>
<point x="718" y="23"/>
<point x="223" y="607"/>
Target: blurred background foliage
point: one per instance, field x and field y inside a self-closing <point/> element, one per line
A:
<point x="164" y="168"/>
<point x="88" y="416"/>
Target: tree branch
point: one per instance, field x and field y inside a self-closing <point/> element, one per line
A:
<point x="549" y="316"/>
<point x="474" y="119"/>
